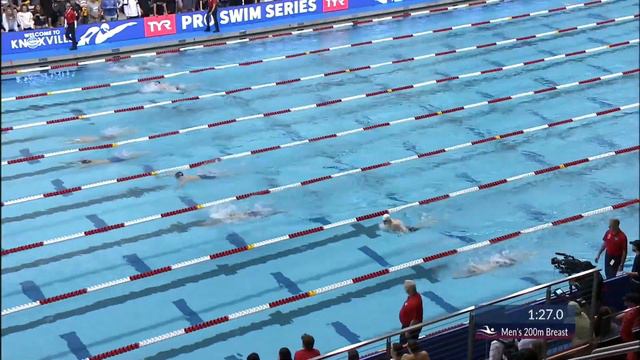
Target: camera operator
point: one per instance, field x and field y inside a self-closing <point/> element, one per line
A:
<point x="615" y="244"/>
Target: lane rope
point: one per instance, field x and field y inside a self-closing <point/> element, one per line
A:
<point x="195" y="261"/>
<point x="219" y="67"/>
<point x="316" y="139"/>
<point x="139" y="107"/>
<point x="167" y="214"/>
<point x="356" y="280"/>
<point x="402" y="16"/>
<point x="33" y="157"/>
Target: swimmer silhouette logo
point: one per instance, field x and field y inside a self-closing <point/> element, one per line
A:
<point x="334" y="5"/>
<point x="102" y="33"/>
<point x="160" y="25"/>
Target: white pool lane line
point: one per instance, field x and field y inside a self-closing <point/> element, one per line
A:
<point x="219" y="67"/>
<point x="229" y="252"/>
<point x="133" y="108"/>
<point x="356" y="280"/>
<point x="316" y="139"/>
<point x="108" y="228"/>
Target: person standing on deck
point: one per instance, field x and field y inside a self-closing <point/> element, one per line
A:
<point x="212" y="15"/>
<point x="615" y="244"/>
<point x="70" y="26"/>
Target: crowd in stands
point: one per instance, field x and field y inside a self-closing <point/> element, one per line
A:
<point x="20" y="15"/>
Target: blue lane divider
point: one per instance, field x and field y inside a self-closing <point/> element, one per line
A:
<point x="190" y="315"/>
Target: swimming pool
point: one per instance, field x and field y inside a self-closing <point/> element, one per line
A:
<point x="121" y="314"/>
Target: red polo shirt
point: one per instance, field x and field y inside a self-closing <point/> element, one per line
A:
<point x="411" y="310"/>
<point x="212" y="3"/>
<point x="70" y="16"/>
<point x="630" y="320"/>
<point x="615" y="243"/>
<point x="306" y="354"/>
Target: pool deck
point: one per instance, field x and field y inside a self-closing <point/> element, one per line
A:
<point x="228" y="32"/>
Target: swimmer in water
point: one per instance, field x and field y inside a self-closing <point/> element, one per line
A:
<point x="231" y="215"/>
<point x="395" y="225"/>
<point x="120" y="157"/>
<point x="500" y="260"/>
<point x="108" y="134"/>
<point x="158" y="86"/>
<point x="184" y="179"/>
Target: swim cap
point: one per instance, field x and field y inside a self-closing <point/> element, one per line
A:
<point x="85" y="161"/>
<point x="179" y="174"/>
<point x="386" y="217"/>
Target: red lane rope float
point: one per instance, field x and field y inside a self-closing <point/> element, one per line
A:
<point x="219" y="67"/>
<point x="299" y="108"/>
<point x="196" y="261"/>
<point x="356" y="280"/>
<point x="402" y="16"/>
<point x="320" y="138"/>
<point x="309" y="106"/>
<point x="431" y="82"/>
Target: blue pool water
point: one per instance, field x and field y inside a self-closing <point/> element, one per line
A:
<point x="107" y="319"/>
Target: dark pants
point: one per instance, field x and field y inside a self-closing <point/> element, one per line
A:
<point x="70" y="34"/>
<point x="212" y="13"/>
<point x="412" y="335"/>
<point x="611" y="265"/>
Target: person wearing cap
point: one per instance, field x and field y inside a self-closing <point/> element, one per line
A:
<point x="307" y="351"/>
<point x="615" y="244"/>
<point x="395" y="225"/>
<point x="630" y="320"/>
<point x="411" y="312"/>
<point x="184" y="179"/>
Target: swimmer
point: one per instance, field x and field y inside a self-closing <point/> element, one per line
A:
<point x="119" y="157"/>
<point x="184" y="179"/>
<point x="157" y="86"/>
<point x="500" y="260"/>
<point x="231" y="215"/>
<point x="108" y="134"/>
<point x="395" y="225"/>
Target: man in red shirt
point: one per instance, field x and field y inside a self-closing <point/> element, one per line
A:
<point x="70" y="25"/>
<point x="307" y="351"/>
<point x="411" y="312"/>
<point x="630" y="320"/>
<point x="212" y="14"/>
<point x="615" y="244"/>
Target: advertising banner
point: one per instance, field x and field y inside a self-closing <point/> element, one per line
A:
<point x="247" y="17"/>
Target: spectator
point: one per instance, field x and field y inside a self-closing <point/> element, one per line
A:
<point x="145" y="6"/>
<point x="70" y="26"/>
<point x="353" y="355"/>
<point x="526" y="354"/>
<point x="59" y="9"/>
<point x="109" y="10"/>
<point x="411" y="312"/>
<point x="84" y="12"/>
<point x="130" y="8"/>
<point x="603" y="325"/>
<point x="308" y="351"/>
<point x="25" y="18"/>
<point x="630" y="320"/>
<point x="284" y="354"/>
<point x="582" y="335"/>
<point x="172" y="6"/>
<point x="396" y="351"/>
<point x="253" y="356"/>
<point x="94" y="10"/>
<point x="10" y="19"/>
<point x="537" y="345"/>
<point x="615" y="244"/>
<point x="502" y="348"/>
<point x="156" y="4"/>
<point x="188" y="5"/>
<point x="40" y="18"/>
<point x="212" y="15"/>
<point x="415" y="353"/>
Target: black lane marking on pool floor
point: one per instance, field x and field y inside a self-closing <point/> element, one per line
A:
<point x="285" y="282"/>
<point x="189" y="314"/>
<point x="221" y="270"/>
<point x="342" y="330"/>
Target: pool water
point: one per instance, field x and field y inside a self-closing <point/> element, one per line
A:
<point x="101" y="321"/>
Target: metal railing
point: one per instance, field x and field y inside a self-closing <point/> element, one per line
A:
<point x="465" y="317"/>
<point x="613" y="350"/>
